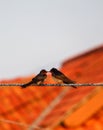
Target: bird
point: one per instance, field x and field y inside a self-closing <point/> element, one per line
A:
<point x="59" y="77"/>
<point x="38" y="79"/>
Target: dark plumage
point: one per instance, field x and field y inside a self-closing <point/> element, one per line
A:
<point x="38" y="79"/>
<point x="60" y="77"/>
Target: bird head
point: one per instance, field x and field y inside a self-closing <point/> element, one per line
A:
<point x="54" y="70"/>
<point x="43" y="71"/>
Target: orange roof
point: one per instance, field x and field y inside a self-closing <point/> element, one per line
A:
<point x="48" y="106"/>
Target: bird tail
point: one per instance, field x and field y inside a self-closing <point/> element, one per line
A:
<point x="73" y="85"/>
<point x="27" y="84"/>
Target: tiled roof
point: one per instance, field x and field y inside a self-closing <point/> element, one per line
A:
<point x="48" y="106"/>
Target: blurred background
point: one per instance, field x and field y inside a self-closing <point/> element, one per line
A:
<point x="38" y="34"/>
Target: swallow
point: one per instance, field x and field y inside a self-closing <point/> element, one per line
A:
<point x="60" y="77"/>
<point x="37" y="80"/>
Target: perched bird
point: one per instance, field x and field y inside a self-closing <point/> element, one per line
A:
<point x="37" y="80"/>
<point x="59" y="77"/>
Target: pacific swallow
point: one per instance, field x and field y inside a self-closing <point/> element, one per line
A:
<point x="37" y="80"/>
<point x="59" y="77"/>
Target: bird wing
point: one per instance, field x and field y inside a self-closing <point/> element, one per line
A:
<point x="38" y="78"/>
<point x="65" y="78"/>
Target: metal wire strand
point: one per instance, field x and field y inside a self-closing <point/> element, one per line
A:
<point x="20" y="124"/>
<point x="13" y="122"/>
<point x="16" y="123"/>
<point x="54" y="85"/>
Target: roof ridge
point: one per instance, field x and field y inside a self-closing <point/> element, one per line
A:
<point x="93" y="50"/>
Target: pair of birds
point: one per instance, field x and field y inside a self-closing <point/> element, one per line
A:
<point x="56" y="74"/>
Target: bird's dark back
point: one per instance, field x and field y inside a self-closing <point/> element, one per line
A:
<point x="39" y="77"/>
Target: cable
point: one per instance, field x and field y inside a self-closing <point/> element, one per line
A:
<point x="14" y="122"/>
<point x="54" y="85"/>
<point x="48" y="109"/>
<point x="20" y="124"/>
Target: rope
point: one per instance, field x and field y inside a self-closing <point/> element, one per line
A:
<point x="17" y="123"/>
<point x="54" y="85"/>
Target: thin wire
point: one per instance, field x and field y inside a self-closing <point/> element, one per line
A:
<point x="13" y="122"/>
<point x="18" y="123"/>
<point x="48" y="109"/>
<point x="54" y="85"/>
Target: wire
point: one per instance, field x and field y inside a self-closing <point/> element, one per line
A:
<point x="54" y="85"/>
<point x="14" y="122"/>
<point x="19" y="124"/>
<point x="48" y="109"/>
